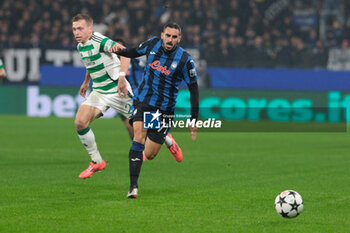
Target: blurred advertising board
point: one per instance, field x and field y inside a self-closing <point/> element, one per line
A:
<point x="233" y="105"/>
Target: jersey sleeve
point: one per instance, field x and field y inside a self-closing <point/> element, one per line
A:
<point x="189" y="71"/>
<point x="1" y="64"/>
<point x="106" y="44"/>
<point x="144" y="47"/>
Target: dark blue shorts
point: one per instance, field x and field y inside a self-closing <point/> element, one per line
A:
<point x="156" y="135"/>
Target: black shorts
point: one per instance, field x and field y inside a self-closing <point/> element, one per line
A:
<point x="156" y="135"/>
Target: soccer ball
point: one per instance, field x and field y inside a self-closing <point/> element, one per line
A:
<point x="289" y="204"/>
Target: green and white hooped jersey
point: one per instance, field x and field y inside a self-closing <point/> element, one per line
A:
<point x="101" y="64"/>
<point x="1" y="64"/>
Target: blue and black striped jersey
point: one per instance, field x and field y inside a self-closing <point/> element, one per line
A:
<point x="163" y="74"/>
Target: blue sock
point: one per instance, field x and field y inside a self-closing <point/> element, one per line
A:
<point x="135" y="162"/>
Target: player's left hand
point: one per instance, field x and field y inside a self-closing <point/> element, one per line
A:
<point x="122" y="87"/>
<point x="193" y="132"/>
<point x="116" y="48"/>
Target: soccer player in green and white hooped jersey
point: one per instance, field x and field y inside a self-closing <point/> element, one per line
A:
<point x="109" y="86"/>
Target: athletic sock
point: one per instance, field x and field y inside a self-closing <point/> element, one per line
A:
<point x="168" y="142"/>
<point x="87" y="138"/>
<point x="135" y="162"/>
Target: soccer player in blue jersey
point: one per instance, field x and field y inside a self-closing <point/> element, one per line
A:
<point x="167" y="65"/>
<point x="169" y="141"/>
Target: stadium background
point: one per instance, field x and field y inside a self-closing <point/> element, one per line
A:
<point x="249" y="53"/>
<point x="237" y="45"/>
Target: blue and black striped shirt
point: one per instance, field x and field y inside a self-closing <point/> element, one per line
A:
<point x="163" y="74"/>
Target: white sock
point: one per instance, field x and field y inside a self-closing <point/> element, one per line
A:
<point x="88" y="140"/>
<point x="168" y="142"/>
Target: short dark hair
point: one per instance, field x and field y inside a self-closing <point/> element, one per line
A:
<point x="85" y="17"/>
<point x="172" y="25"/>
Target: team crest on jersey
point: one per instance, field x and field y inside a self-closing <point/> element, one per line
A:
<point x="173" y="66"/>
<point x="90" y="53"/>
<point x="193" y="72"/>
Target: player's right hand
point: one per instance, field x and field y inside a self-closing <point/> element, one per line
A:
<point x="116" y="48"/>
<point x="83" y="89"/>
<point x="122" y="87"/>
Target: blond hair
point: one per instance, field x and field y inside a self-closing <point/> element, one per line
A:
<point x="85" y="17"/>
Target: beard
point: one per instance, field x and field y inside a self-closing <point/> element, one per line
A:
<point x="169" y="46"/>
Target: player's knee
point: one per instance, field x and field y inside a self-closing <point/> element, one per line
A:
<point x="80" y="125"/>
<point x="151" y="156"/>
<point x="139" y="138"/>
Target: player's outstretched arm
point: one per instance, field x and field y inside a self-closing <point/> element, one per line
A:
<point x="125" y="52"/>
<point x="117" y="47"/>
<point x="85" y="86"/>
<point x="132" y="52"/>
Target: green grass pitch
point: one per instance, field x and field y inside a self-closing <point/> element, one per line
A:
<point x="227" y="182"/>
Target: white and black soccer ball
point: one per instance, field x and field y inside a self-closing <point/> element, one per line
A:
<point x="289" y="204"/>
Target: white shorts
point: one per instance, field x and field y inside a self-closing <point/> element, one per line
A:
<point x="105" y="101"/>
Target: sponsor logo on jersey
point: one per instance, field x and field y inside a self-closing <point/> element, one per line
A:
<point x="156" y="66"/>
<point x="87" y="62"/>
<point x="193" y="72"/>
